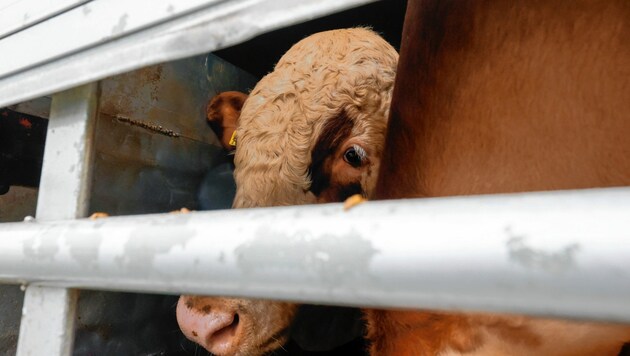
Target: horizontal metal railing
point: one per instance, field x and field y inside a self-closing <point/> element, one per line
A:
<point x="119" y="36"/>
<point x="561" y="254"/>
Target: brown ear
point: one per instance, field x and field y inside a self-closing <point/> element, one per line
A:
<point x="222" y="113"/>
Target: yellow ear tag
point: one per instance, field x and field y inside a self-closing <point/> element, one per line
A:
<point x="233" y="139"/>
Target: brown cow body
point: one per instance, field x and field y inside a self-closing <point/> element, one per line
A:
<point x="511" y="96"/>
<point x="505" y="96"/>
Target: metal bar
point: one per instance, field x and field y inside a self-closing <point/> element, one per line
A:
<point x="216" y="26"/>
<point x="563" y="254"/>
<point x="48" y="315"/>
<point x="47" y="311"/>
<point x="64" y="185"/>
<point x="21" y="14"/>
<point x="100" y="21"/>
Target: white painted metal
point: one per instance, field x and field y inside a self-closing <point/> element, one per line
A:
<point x="19" y="14"/>
<point x="65" y="179"/>
<point x="216" y="26"/>
<point x="48" y="314"/>
<point x="46" y="311"/>
<point x="562" y="254"/>
<point x="87" y="25"/>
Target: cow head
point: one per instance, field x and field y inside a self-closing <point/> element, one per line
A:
<point x="310" y="131"/>
<point x="222" y="113"/>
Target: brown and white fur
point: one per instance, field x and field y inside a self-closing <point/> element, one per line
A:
<point x="310" y="131"/>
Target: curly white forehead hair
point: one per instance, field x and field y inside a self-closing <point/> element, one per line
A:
<point x="349" y="71"/>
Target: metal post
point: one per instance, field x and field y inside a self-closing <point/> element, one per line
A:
<point x="48" y="315"/>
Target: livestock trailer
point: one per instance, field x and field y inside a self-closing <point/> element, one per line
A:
<point x="102" y="110"/>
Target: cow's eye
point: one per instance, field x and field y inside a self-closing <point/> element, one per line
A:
<point x="354" y="156"/>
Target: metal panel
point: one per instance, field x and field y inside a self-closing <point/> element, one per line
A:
<point x="210" y="28"/>
<point x="153" y="144"/>
<point x="48" y="314"/>
<point x="556" y="254"/>
<point x="173" y="95"/>
<point x="19" y="14"/>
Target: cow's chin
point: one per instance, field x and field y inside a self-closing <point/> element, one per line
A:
<point x="235" y="327"/>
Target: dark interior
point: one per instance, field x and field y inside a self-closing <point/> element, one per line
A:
<point x="259" y="55"/>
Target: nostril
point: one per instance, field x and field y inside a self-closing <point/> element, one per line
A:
<point x="225" y="335"/>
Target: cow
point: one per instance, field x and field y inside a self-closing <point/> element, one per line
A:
<point x="494" y="97"/>
<point x="311" y="131"/>
<point x="222" y="113"/>
<point x="499" y="96"/>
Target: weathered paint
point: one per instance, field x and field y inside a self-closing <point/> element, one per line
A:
<point x="185" y="29"/>
<point x="69" y="143"/>
<point x="153" y="145"/>
<point x="322" y="256"/>
<point x="559" y="261"/>
<point x="45" y="310"/>
<point x="48" y="314"/>
<point x="557" y="254"/>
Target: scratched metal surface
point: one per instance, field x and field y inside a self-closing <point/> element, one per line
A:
<point x="562" y="254"/>
<point x="153" y="145"/>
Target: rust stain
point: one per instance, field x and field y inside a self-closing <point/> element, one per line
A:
<point x="26" y="123"/>
<point x="149" y="126"/>
<point x="151" y="76"/>
<point x="127" y="92"/>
